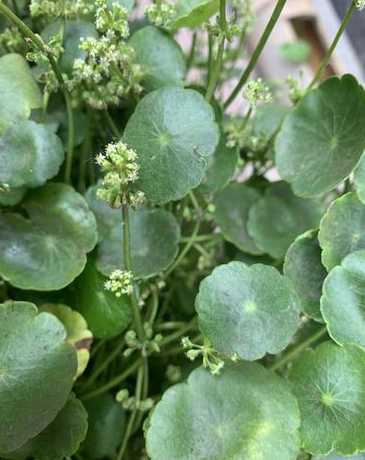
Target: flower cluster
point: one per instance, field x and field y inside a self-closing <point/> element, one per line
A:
<point x="130" y="402"/>
<point x="162" y="14"/>
<point x="295" y="91"/>
<point x="256" y="92"/>
<point x="11" y="41"/>
<point x="119" y="164"/>
<point x="151" y="344"/>
<point x="120" y="282"/>
<point x="64" y="8"/>
<point x="211" y="359"/>
<point x="360" y="4"/>
<point x="243" y="136"/>
<point x="112" y="19"/>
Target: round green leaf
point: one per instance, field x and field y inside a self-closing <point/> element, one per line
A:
<point x="19" y="92"/>
<point x="11" y="197"/>
<point x="62" y="438"/>
<point x="322" y="139"/>
<point x="174" y="133"/>
<point x="339" y="457"/>
<point x="279" y="217"/>
<point x="155" y="236"/>
<point x="267" y="121"/>
<point x="107" y="315"/>
<point x="47" y="251"/>
<point x="192" y="13"/>
<point x="359" y="179"/>
<point x="161" y="57"/>
<point x="342" y="229"/>
<point x="303" y="266"/>
<point x="106" y="427"/>
<point x="342" y="303"/>
<point x="330" y="386"/>
<point x="31" y="153"/>
<point x="37" y="368"/>
<point x="232" y="206"/>
<point x="244" y="413"/>
<point x="221" y="167"/>
<point x="247" y="311"/>
<point x="78" y="334"/>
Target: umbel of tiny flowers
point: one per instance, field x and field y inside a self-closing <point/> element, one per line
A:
<point x="119" y="164"/>
<point x="161" y="13"/>
<point x="129" y="403"/>
<point x="64" y="8"/>
<point x="151" y="344"/>
<point x="211" y="359"/>
<point x="120" y="282"/>
<point x="112" y="19"/>
<point x="360" y="4"/>
<point x="257" y="92"/>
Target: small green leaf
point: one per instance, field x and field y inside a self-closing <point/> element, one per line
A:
<point x="47" y="251"/>
<point x="106" y="427"/>
<point x="297" y="51"/>
<point x="19" y="92"/>
<point x="342" y="229"/>
<point x="37" y="368"/>
<point x="247" y="311"/>
<point x="303" y="266"/>
<point x="245" y="413"/>
<point x="78" y="334"/>
<point x="359" y="179"/>
<point x="192" y="13"/>
<point x="11" y="197"/>
<point x="174" y="133"/>
<point x="155" y="236"/>
<point x="330" y="386"/>
<point x="107" y="315"/>
<point x="160" y="56"/>
<point x="279" y="217"/>
<point x="232" y="206"/>
<point x="342" y="303"/>
<point x="221" y="167"/>
<point x="61" y="438"/>
<point x="31" y="153"/>
<point x="322" y="138"/>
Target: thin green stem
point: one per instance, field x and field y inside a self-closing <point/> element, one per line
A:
<point x="176" y="335"/>
<point x="112" y="125"/>
<point x="154" y="306"/>
<point x="217" y="68"/>
<point x="203" y="238"/>
<point x="298" y="349"/>
<point x="133" y="415"/>
<point x="190" y="59"/>
<point x="210" y="56"/>
<point x="128" y="266"/>
<point x="37" y="41"/>
<point x="328" y="55"/>
<point x="257" y="53"/>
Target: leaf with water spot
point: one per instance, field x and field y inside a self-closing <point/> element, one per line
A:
<point x="174" y="134"/>
<point x="329" y="383"/>
<point x="245" y="413"/>
<point x="247" y="311"/>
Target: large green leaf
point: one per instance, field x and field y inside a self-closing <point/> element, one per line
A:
<point x="247" y="311"/>
<point x="106" y="427"/>
<point x="155" y="236"/>
<point x="343" y="300"/>
<point x="322" y="139"/>
<point x="221" y="167"/>
<point x="37" y="368"/>
<point x="174" y="133"/>
<point x="245" y="413"/>
<point x="160" y="56"/>
<point x="61" y="438"/>
<point x="192" y="13"/>
<point x="279" y="217"/>
<point x="330" y="386"/>
<point x="303" y="266"/>
<point x="339" y="457"/>
<point x="47" y="251"/>
<point x="30" y="154"/>
<point x="107" y="315"/>
<point x="19" y="93"/>
<point x="342" y="229"/>
<point x="232" y="206"/>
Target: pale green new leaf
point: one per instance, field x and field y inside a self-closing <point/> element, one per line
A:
<point x="192" y="13"/>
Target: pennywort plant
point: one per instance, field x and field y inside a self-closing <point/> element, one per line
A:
<point x="161" y="297"/>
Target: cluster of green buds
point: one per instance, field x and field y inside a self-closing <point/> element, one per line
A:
<point x="173" y="373"/>
<point x="120" y="283"/>
<point x="119" y="164"/>
<point x="44" y="72"/>
<point x="150" y="344"/>
<point x="243" y="14"/>
<point x="257" y="92"/>
<point x="360" y="4"/>
<point x="161" y="13"/>
<point x="113" y="19"/>
<point x="211" y="359"/>
<point x="295" y="91"/>
<point x="12" y="41"/>
<point x="242" y="136"/>
<point x="65" y="8"/>
<point x="131" y="403"/>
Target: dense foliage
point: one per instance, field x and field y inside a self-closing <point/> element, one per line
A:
<point x="161" y="296"/>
